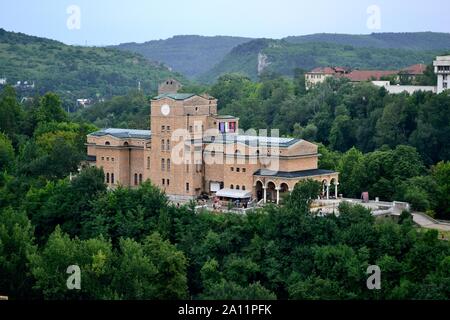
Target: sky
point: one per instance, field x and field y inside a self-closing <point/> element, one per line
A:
<point x="107" y="22"/>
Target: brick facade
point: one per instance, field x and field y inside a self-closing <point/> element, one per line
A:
<point x="186" y="155"/>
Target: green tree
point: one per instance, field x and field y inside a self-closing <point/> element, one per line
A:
<point x="6" y="153"/>
<point x="50" y="109"/>
<point x="16" y="245"/>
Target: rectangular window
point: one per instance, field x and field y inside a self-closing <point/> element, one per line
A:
<point x="103" y="158"/>
<point x="163" y="145"/>
<point x="190" y="129"/>
<point x="168" y="128"/>
<point x="244" y="170"/>
<point x="163" y="128"/>
<point x="187" y="186"/>
<point x="168" y="182"/>
<point x="163" y="164"/>
<point x="238" y="169"/>
<point x="107" y="158"/>
<point x="163" y="182"/>
<point x="168" y="164"/>
<point x="168" y="145"/>
<point x="232" y="169"/>
<point x="112" y="178"/>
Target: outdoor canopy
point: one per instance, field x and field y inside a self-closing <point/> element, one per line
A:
<point x="234" y="194"/>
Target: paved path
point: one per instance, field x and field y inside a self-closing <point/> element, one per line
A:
<point x="384" y="208"/>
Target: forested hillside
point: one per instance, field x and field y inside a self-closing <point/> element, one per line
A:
<point x="189" y="55"/>
<point x="402" y="40"/>
<point x="282" y="57"/>
<point x="75" y="72"/>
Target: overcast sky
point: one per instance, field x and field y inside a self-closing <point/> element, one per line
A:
<point x="102" y="22"/>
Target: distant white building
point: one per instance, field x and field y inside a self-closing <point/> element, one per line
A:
<point x="2" y="81"/>
<point x="442" y="69"/>
<point x="84" y="102"/>
<point x="397" y="89"/>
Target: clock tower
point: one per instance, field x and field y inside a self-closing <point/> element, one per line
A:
<point x="178" y="121"/>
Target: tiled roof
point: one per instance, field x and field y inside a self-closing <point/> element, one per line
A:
<point x="175" y="96"/>
<point x="123" y="133"/>
<point x="293" y="174"/>
<point x="366" y="75"/>
<point x="416" y="69"/>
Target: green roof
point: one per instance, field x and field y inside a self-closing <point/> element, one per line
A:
<point x="175" y="96"/>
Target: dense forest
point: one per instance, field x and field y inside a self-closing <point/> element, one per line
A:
<point x="189" y="55"/>
<point x="134" y="244"/>
<point x="75" y="72"/>
<point x="399" y="40"/>
<point x="282" y="57"/>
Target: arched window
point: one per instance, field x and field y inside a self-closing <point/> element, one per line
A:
<point x="107" y="143"/>
<point x="135" y="179"/>
<point x="125" y="144"/>
<point x="140" y="178"/>
<point x="237" y="187"/>
<point x="112" y="178"/>
<point x="163" y="164"/>
<point x="163" y="145"/>
<point x="232" y="186"/>
<point x="107" y="177"/>
<point x="243" y="188"/>
<point x="168" y="145"/>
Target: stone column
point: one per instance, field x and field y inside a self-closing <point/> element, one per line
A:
<point x="328" y="191"/>
<point x="265" y="194"/>
<point x="278" y="195"/>
<point x="336" y="189"/>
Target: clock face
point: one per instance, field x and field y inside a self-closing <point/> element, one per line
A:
<point x="165" y="109"/>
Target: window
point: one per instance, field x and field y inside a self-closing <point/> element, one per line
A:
<point x="238" y="169"/>
<point x="112" y="178"/>
<point x="243" y="188"/>
<point x="148" y="162"/>
<point x="112" y="159"/>
<point x="107" y="158"/>
<point x="237" y="187"/>
<point x="140" y="178"/>
<point x="168" y="145"/>
<point x="163" y="145"/>
<point x="232" y="169"/>
<point x="168" y="128"/>
<point x="187" y="186"/>
<point x="244" y="170"/>
<point x="168" y="164"/>
<point x="107" y="143"/>
<point x="232" y="187"/>
<point x="168" y="182"/>
<point x="163" y="182"/>
<point x="190" y="129"/>
<point x="107" y="177"/>
<point x="135" y="179"/>
<point x="445" y="85"/>
<point x="163" y="164"/>
<point x="163" y="128"/>
<point x="103" y="158"/>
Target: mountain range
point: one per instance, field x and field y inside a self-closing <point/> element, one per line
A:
<point x="206" y="58"/>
